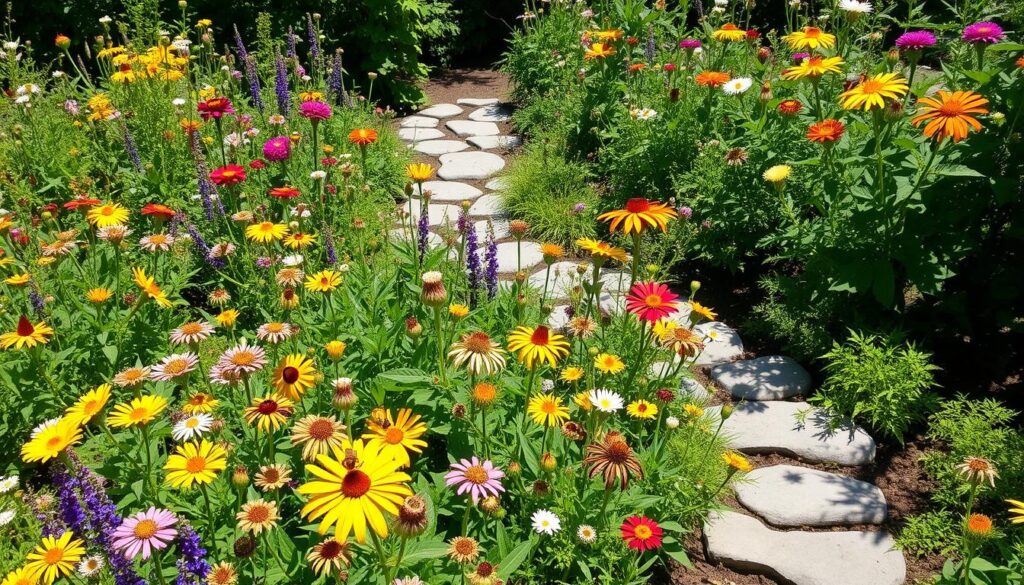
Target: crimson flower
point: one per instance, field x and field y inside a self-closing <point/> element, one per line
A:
<point x="81" y="202"/>
<point x="228" y="175"/>
<point x="651" y="301"/>
<point x="158" y="210"/>
<point x="285" y="192"/>
<point x="257" y="164"/>
<point x="641" y="533"/>
<point x="215" y="108"/>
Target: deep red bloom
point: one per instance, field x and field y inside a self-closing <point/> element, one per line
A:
<point x="285" y="192"/>
<point x="158" y="210"/>
<point x="81" y="202"/>
<point x="215" y="108"/>
<point x="328" y="161"/>
<point x="51" y="207"/>
<point x="633" y="41"/>
<point x="651" y="301"/>
<point x="228" y="175"/>
<point x="641" y="533"/>
<point x="753" y="34"/>
<point x="257" y="164"/>
<point x="670" y="67"/>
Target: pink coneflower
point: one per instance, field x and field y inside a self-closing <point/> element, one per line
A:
<point x="220" y="374"/>
<point x="480" y="478"/>
<point x="689" y="44"/>
<point x="915" y="40"/>
<point x="222" y="250"/>
<point x="240" y="360"/>
<point x="983" y="32"/>
<point x="315" y="110"/>
<point x="651" y="301"/>
<point x="145" y="532"/>
<point x="191" y="332"/>
<point x="277" y="148"/>
<point x="275" y="332"/>
<point x="174" y="366"/>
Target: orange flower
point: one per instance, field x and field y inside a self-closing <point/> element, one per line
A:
<point x="949" y="115"/>
<point x="362" y="136"/>
<point x="826" y="131"/>
<point x="598" y="51"/>
<point x="638" y="215"/>
<point x="712" y="78"/>
<point x="790" y="107"/>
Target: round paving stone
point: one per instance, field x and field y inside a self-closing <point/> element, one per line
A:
<point x="787" y="495"/>
<point x="469" y="165"/>
<point x="562" y="279"/>
<point x="804" y="558"/>
<point x="436" y="214"/>
<point x="439" y="147"/>
<point x="470" y="128"/>
<point x="723" y="345"/>
<point x="507" y="256"/>
<point x="500" y="227"/>
<point x="497" y="184"/>
<point x="492" y="113"/>
<point x="441" y="111"/>
<point x="769" y="377"/>
<point x="414" y="134"/>
<point x="451" y="191"/>
<point x="477" y="101"/>
<point x="488" y="205"/>
<point x="489" y="142"/>
<point x="419" y="122"/>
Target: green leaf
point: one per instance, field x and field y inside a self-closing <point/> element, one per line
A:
<point x="514" y="559"/>
<point x="675" y="551"/>
<point x="956" y="171"/>
<point x="424" y="551"/>
<point x="403" y="379"/>
<point x="1002" y="47"/>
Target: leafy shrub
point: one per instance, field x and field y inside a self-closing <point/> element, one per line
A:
<point x="544" y="190"/>
<point x="932" y="532"/>
<point x="881" y="382"/>
<point x="798" y="326"/>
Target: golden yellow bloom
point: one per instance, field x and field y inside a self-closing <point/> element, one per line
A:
<point x="294" y="374"/>
<point x="601" y="251"/>
<point x="729" y="32"/>
<point x="139" y="412"/>
<point x="52" y="441"/>
<point x="107" y="214"/>
<point x="55" y="557"/>
<point x="227" y="318"/>
<point x="335" y="349"/>
<point x="26" y="335"/>
<point x="20" y="576"/>
<point x="777" y="174"/>
<point x="537" y="344"/>
<point x="810" y="37"/>
<point x="872" y="92"/>
<point x="638" y="215"/>
<point x="419" y="172"/>
<point x="598" y="51"/>
<point x="89" y="405"/>
<point x="150" y="288"/>
<point x="814" y="66"/>
<point x="397" y="437"/>
<point x="98" y="295"/>
<point x="547" y="410"/>
<point x="607" y="363"/>
<point x="266" y="232"/>
<point x="736" y="462"/>
<point x="195" y="463"/>
<point x="705" y="312"/>
<point x="457" y="310"/>
<point x="299" y="240"/>
<point x="642" y="409"/>
<point x="18" y="279"/>
<point x="571" y="374"/>
<point x="269" y="413"/>
<point x="324" y="281"/>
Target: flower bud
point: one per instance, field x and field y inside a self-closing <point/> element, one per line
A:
<point x="240" y="478"/>
<point x="694" y="287"/>
<point x="433" y="293"/>
<point x="413" y="328"/>
<point x="344" y="398"/>
<point x="671" y="422"/>
<point x="548" y="462"/>
<point x="727" y="410"/>
<point x="412" y="517"/>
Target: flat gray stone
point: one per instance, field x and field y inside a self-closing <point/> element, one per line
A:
<point x="497" y="184"/>
<point x="501" y="230"/>
<point x="470" y="128"/>
<point x="723" y="343"/>
<point x="451" y="191"/>
<point x="769" y="377"/>
<point x="561" y="281"/>
<point x="661" y="370"/>
<point x="414" y="134"/>
<point x="402" y="234"/>
<point x="745" y="544"/>
<point x="507" y="255"/>
<point x="787" y="495"/>
<point x="491" y="113"/>
<point x="436" y="214"/>
<point x="477" y="101"/>
<point x="785" y="428"/>
<point x="489" y="142"/>
<point x="439" y="147"/>
<point x="487" y="205"/>
<point x="441" y="111"/>
<point x="469" y="165"/>
<point x="613" y="281"/>
<point x="419" y="122"/>
<point x="694" y="390"/>
<point x="558" y="318"/>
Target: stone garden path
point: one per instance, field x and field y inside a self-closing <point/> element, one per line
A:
<point x="801" y="525"/>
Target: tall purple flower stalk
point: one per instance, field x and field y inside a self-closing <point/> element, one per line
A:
<point x="192" y="566"/>
<point x="491" y="258"/>
<point x="332" y="254"/>
<point x="203" y="247"/>
<point x="335" y="82"/>
<point x="239" y="45"/>
<point x="284" y="99"/>
<point x="651" y="49"/>
<point x="172" y="227"/>
<point x="472" y="265"/>
<point x="207" y="190"/>
<point x="254" y="82"/>
<point x="292" y="53"/>
<point x="38" y="304"/>
<point x="314" y="42"/>
<point x="131" y="148"/>
<point x="422" y="233"/>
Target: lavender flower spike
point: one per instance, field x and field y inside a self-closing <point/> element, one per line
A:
<point x="491" y="257"/>
<point x="284" y="99"/>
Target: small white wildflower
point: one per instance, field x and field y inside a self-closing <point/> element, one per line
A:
<point x="106" y="20"/>
<point x="318" y="175"/>
<point x="671" y="422"/>
<point x="737" y="86"/>
<point x="6" y="516"/>
<point x="586" y="534"/>
<point x="545" y="522"/>
<point x="292" y="260"/>
<point x="8" y="483"/>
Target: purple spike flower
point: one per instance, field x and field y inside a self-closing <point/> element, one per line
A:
<point x="254" y="82"/>
<point x="651" y="48"/>
<point x="203" y="248"/>
<point x="242" y="53"/>
<point x="422" y="233"/>
<point x="284" y="100"/>
<point x="472" y="265"/>
<point x="207" y="190"/>
<point x="292" y="53"/>
<point x="314" y="42"/>
<point x="131" y="148"/>
<point x="336" y="83"/>
<point x="491" y="257"/>
<point x="38" y="304"/>
<point x="332" y="255"/>
<point x="192" y="566"/>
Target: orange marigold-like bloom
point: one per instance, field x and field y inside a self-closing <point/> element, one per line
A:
<point x="949" y="114"/>
<point x="638" y="215"/>
<point x="790" y="107"/>
<point x="362" y="136"/>
<point x="826" y="131"/>
<point x="712" y="78"/>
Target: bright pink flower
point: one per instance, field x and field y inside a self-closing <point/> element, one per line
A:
<point x="651" y="301"/>
<point x="228" y="175"/>
<point x="215" y="108"/>
<point x="145" y="532"/>
<point x="277" y="148"/>
<point x="479" y="478"/>
<point x="315" y="111"/>
<point x="983" y="32"/>
<point x="641" y="533"/>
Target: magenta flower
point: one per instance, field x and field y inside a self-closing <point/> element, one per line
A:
<point x="315" y="110"/>
<point x="799" y="57"/>
<point x="277" y="148"/>
<point x="145" y="532"/>
<point x="983" y="32"/>
<point x="689" y="44"/>
<point x="915" y="40"/>
<point x="479" y="478"/>
<point x="651" y="301"/>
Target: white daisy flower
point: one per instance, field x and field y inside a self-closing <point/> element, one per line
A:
<point x="192" y="427"/>
<point x="106" y="20"/>
<point x="8" y="483"/>
<point x="671" y="422"/>
<point x="547" y="385"/>
<point x="737" y="86"/>
<point x="318" y="175"/>
<point x="178" y="102"/>
<point x="856" y="7"/>
<point x="292" y="260"/>
<point x="605" y="400"/>
<point x="643" y="114"/>
<point x="90" y="566"/>
<point x="586" y="533"/>
<point x="545" y="522"/>
<point x="6" y="516"/>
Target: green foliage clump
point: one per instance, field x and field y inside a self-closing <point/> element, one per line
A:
<point x="883" y="383"/>
<point x="544" y="189"/>
<point x="797" y="327"/>
<point x="932" y="532"/>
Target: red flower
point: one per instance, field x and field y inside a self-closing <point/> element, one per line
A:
<point x="670" y="67"/>
<point x="651" y="301"/>
<point x="215" y="108"/>
<point x="790" y="107"/>
<point x="633" y="41"/>
<point x="228" y="175"/>
<point x="81" y="202"/>
<point x="157" y="210"/>
<point x="257" y="164"/>
<point x="641" y="533"/>
<point x="826" y="131"/>
<point x="753" y="34"/>
<point x="328" y="161"/>
<point x="286" y="192"/>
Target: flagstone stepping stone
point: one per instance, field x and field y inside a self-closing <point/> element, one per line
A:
<point x="563" y="278"/>
<point x="450" y="191"/>
<point x="469" y="165"/>
<point x="743" y="543"/>
<point x="414" y="134"/>
<point x="488" y="142"/>
<point x="441" y="111"/>
<point x="769" y="377"/>
<point x="491" y="113"/>
<point x="500" y="226"/>
<point x="612" y="303"/>
<point x="436" y="214"/>
<point x="469" y="128"/>
<point x="419" y="122"/>
<point x="787" y="495"/>
<point x="477" y="101"/>
<point x="487" y="205"/>
<point x="558" y="318"/>
<point x="613" y="281"/>
<point x="400" y="234"/>
<point x="661" y="370"/>
<point x="497" y="184"/>
<point x="797" y="430"/>
<point x="507" y="254"/>
<point x="723" y="345"/>
<point x="694" y="390"/>
<point x="439" y="147"/>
